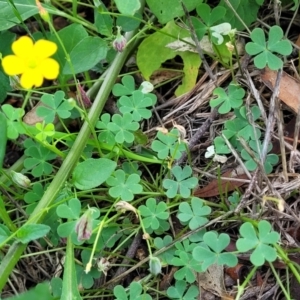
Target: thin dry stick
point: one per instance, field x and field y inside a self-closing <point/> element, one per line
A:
<point x="281" y="139"/>
<point x="270" y="124"/>
<point x="295" y="142"/>
<point x="257" y="97"/>
<point x="198" y="47"/>
<point x="243" y="201"/>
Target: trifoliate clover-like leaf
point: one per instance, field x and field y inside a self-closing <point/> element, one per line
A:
<point x="126" y="88"/>
<point x="183" y="184"/>
<point x="54" y="104"/>
<point x="153" y="213"/>
<point x="124" y="186"/>
<point x="261" y="241"/>
<point x="263" y="50"/>
<point x="168" y="144"/>
<point x="211" y="252"/>
<point x="123" y="127"/>
<point x="105" y="136"/>
<point x="136" y="104"/>
<point x="195" y="214"/>
<point x="179" y="291"/>
<point x="251" y="165"/>
<point x="232" y="99"/>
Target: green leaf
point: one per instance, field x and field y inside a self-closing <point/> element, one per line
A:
<point x="246" y="9"/>
<point x="189" y="266"/>
<point x="183" y="183"/>
<point x="251" y="165"/>
<point x="153" y="213"/>
<point x="232" y="99"/>
<point x="55" y="104"/>
<point x="33" y="196"/>
<point x="128" y="7"/>
<point x="31" y="232"/>
<point x="194" y="214"/>
<point x="152" y="52"/>
<point x="136" y="105"/>
<point x="123" y="128"/>
<point x="70" y="37"/>
<point x="105" y="136"/>
<point x="135" y="292"/>
<point x="40" y="291"/>
<point x="211" y="252"/>
<point x="4" y="85"/>
<point x="124" y="186"/>
<point x="128" y="23"/>
<point x="92" y="173"/>
<point x="167" y="145"/>
<point x="164" y="14"/>
<point x="8" y="18"/>
<point x="70" y="210"/>
<point x="261" y="241"/>
<point x="167" y="256"/>
<point x="263" y="50"/>
<point x="177" y="292"/>
<point x="37" y="158"/>
<point x="14" y="115"/>
<point x="103" y="22"/>
<point x="85" y="55"/>
<point x="126" y="88"/>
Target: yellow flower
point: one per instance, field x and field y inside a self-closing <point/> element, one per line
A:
<point x="32" y="61"/>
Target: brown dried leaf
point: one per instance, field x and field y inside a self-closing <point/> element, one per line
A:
<point x="217" y="186"/>
<point x="289" y="91"/>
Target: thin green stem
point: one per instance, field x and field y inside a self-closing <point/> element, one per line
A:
<point x="99" y="231"/>
<point x="241" y="288"/>
<point x="287" y="296"/>
<point x="289" y="263"/>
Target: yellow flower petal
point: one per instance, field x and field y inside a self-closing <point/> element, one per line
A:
<point x="13" y="65"/>
<point x="43" y="49"/>
<point x="23" y="47"/>
<point x="30" y="78"/>
<point x="49" y="68"/>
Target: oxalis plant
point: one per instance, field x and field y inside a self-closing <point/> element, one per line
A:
<point x="89" y="193"/>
